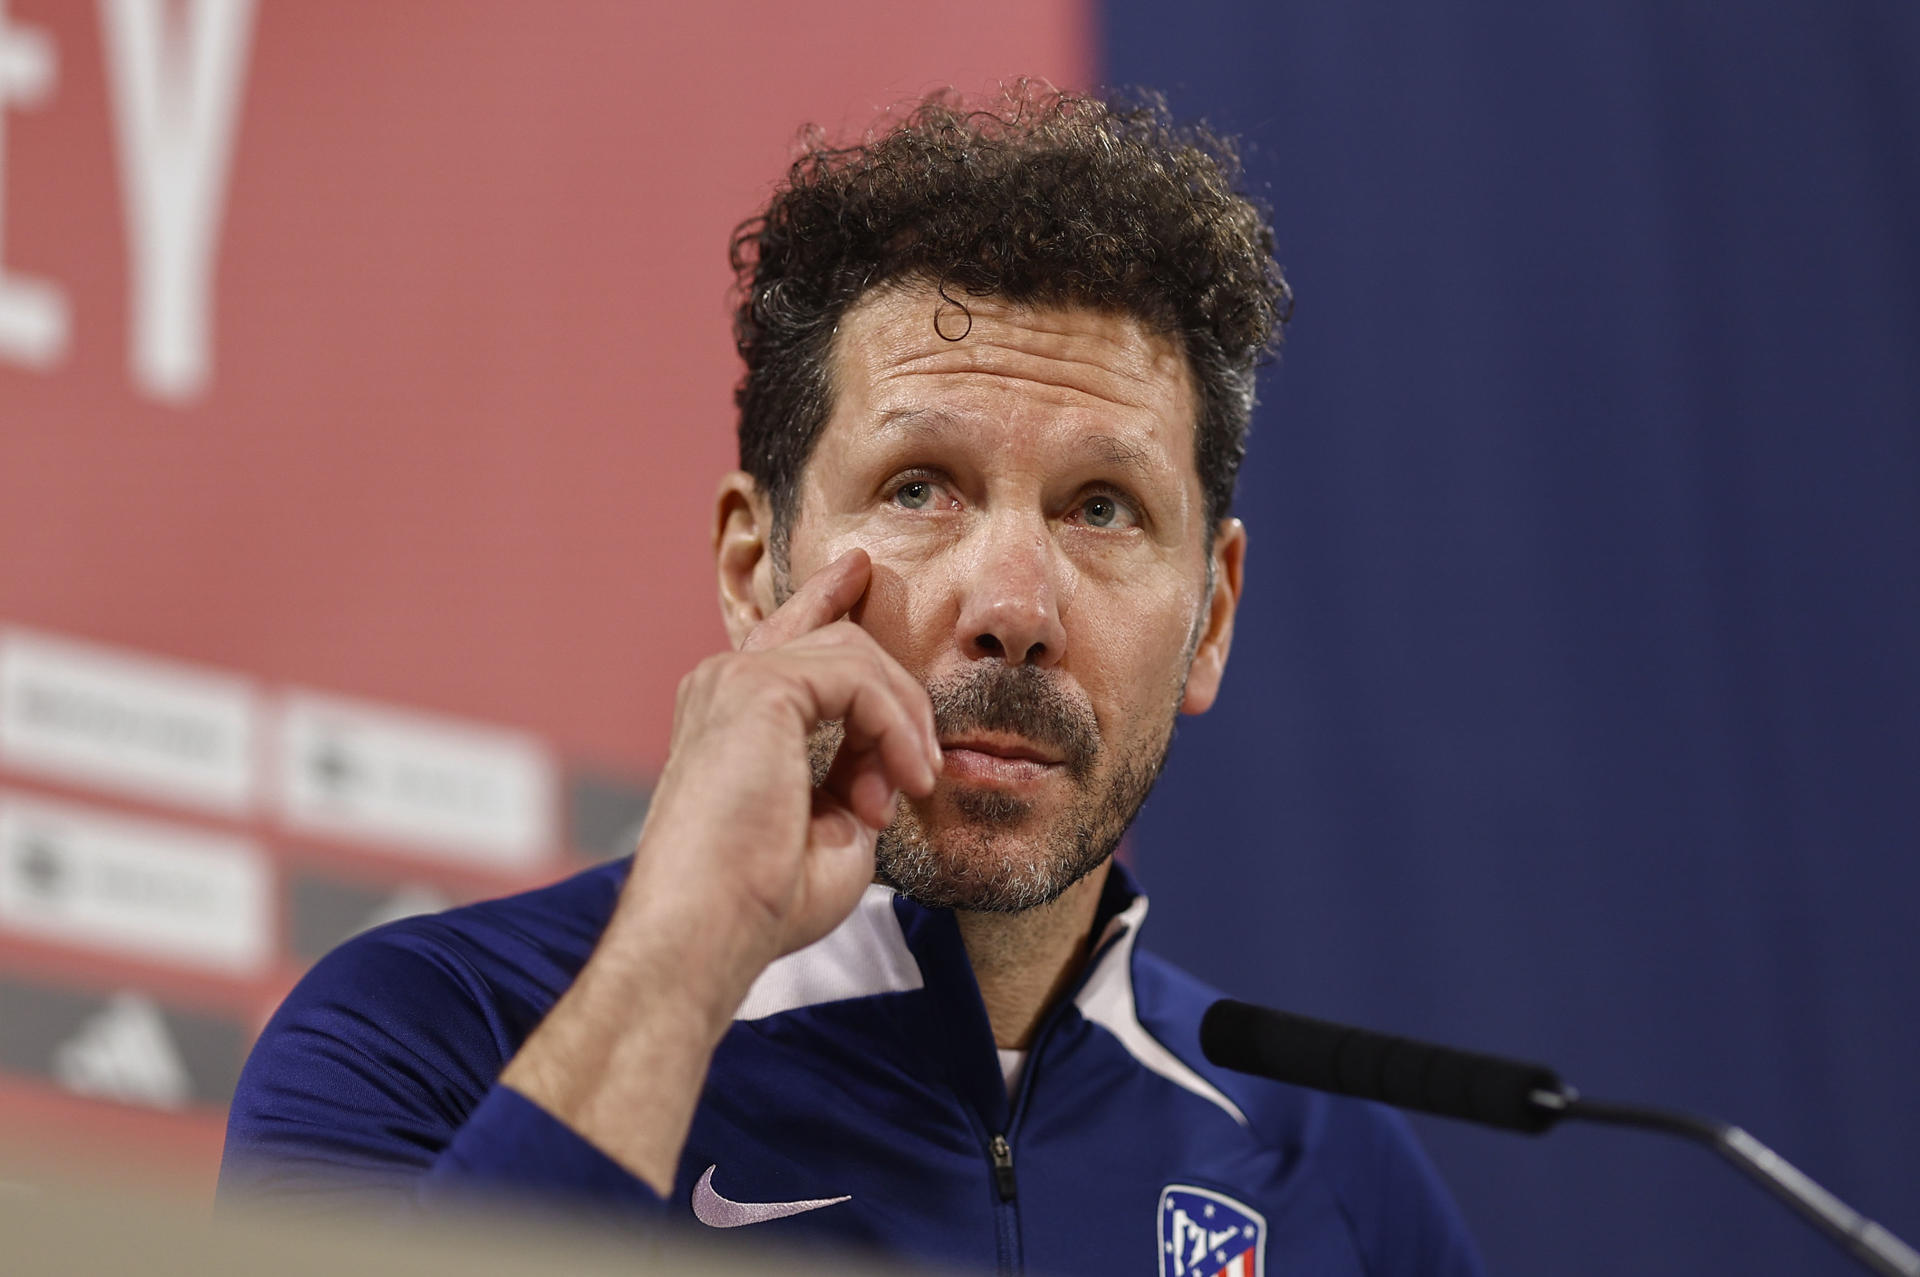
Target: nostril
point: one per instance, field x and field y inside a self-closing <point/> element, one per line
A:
<point x="989" y="644"/>
<point x="1036" y="653"/>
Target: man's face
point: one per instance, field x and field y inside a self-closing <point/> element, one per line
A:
<point x="1028" y="498"/>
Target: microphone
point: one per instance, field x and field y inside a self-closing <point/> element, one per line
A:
<point x="1511" y="1095"/>
<point x="1375" y="1066"/>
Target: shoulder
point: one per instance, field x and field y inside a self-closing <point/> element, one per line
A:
<point x="1171" y="1003"/>
<point x="514" y="952"/>
<point x="389" y="1042"/>
<point x="1365" y="1155"/>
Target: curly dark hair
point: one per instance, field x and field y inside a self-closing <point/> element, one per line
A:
<point x="1049" y="198"/>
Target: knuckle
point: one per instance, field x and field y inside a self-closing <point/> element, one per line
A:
<point x="718" y="678"/>
<point x="689" y="686"/>
<point x="733" y="674"/>
<point x="879" y="667"/>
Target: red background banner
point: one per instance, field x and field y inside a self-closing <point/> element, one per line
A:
<point x="466" y="390"/>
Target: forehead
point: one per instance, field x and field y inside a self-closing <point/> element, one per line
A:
<point x="905" y="358"/>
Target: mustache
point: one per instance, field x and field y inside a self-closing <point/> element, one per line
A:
<point x="1022" y="700"/>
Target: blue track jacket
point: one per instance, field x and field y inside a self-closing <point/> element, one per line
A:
<point x="856" y="1100"/>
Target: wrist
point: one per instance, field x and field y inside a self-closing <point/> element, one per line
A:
<point x="623" y="1055"/>
<point x="694" y="943"/>
<point x="671" y="973"/>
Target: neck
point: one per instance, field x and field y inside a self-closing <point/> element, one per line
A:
<point x="1025" y="961"/>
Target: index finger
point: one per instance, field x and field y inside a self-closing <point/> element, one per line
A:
<point x="824" y="598"/>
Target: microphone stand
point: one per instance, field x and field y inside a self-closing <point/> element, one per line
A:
<point x="1871" y="1244"/>
<point x="1513" y="1095"/>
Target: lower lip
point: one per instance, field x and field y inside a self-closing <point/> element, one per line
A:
<point x="976" y="767"/>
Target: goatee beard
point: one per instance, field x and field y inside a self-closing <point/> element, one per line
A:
<point x="984" y="862"/>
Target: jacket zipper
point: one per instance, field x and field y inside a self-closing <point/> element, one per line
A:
<point x="1000" y="1153"/>
<point x="1000" y="1149"/>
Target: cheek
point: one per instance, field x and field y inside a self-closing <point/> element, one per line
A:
<point x="886" y="610"/>
<point x="1148" y="612"/>
<point x="1128" y="654"/>
<point x="908" y="551"/>
<point x="905" y="604"/>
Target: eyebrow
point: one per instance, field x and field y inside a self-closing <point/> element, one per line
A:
<point x="1118" y="452"/>
<point x="918" y="421"/>
<point x="929" y="423"/>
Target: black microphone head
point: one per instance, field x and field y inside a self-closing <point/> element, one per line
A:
<point x="1375" y="1066"/>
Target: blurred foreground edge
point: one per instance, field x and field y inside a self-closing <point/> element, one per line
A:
<point x="66" y="1227"/>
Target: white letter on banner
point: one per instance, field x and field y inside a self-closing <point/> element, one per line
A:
<point x="176" y="98"/>
<point x="33" y="313"/>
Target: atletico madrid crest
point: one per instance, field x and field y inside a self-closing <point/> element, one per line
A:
<point x="1208" y="1234"/>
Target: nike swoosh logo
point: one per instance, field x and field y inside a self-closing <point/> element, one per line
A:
<point x="716" y="1211"/>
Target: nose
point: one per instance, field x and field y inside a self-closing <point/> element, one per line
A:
<point x="1014" y="596"/>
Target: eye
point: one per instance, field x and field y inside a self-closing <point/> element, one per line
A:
<point x="917" y="495"/>
<point x="922" y="491"/>
<point x="1104" y="510"/>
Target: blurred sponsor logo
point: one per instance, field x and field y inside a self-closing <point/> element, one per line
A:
<point x="122" y="1052"/>
<point x="322" y="912"/>
<point x="126" y="1046"/>
<point x="99" y="716"/>
<point x="456" y="790"/>
<point x="133" y="886"/>
<point x="605" y="813"/>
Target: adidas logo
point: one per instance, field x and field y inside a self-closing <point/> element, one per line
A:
<point x="404" y="903"/>
<point x="123" y="1052"/>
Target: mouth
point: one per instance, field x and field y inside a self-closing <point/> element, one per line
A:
<point x="996" y="759"/>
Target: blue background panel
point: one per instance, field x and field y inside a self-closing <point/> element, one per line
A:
<point x="1575" y="704"/>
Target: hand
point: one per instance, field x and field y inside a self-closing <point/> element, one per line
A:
<point x="741" y="860"/>
<point x="737" y="838"/>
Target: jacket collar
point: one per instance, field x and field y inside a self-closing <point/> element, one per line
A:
<point x="892" y="944"/>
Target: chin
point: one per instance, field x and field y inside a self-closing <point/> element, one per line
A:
<point x="989" y="858"/>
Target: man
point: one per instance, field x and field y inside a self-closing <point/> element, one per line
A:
<point x="870" y="974"/>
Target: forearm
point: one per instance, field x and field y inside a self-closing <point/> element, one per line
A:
<point x="375" y="1087"/>
<point x="623" y="1055"/>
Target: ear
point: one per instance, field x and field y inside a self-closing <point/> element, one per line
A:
<point x="742" y="554"/>
<point x="1210" y="655"/>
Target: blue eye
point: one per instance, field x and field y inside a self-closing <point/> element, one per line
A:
<point x="916" y="495"/>
<point x="1101" y="511"/>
